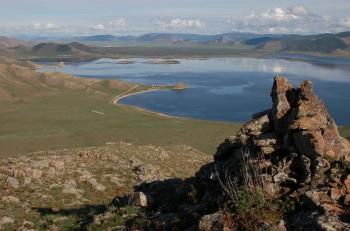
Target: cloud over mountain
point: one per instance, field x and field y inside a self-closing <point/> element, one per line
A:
<point x="296" y="19"/>
<point x="178" y="23"/>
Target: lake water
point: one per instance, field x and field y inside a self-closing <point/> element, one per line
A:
<point x="224" y="89"/>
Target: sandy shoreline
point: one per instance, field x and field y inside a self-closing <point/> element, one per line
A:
<point x="125" y="95"/>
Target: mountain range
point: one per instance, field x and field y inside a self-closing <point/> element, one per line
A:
<point x="328" y="44"/>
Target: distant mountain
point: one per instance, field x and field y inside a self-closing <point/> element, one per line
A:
<point x="7" y="45"/>
<point x="167" y="38"/>
<point x="322" y="43"/>
<point x="56" y="49"/>
<point x="97" y="38"/>
<point x="330" y="44"/>
<point x="6" y="42"/>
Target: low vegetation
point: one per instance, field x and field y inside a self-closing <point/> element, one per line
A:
<point x="66" y="189"/>
<point x="55" y="111"/>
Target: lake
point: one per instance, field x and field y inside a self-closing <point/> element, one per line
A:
<point x="222" y="89"/>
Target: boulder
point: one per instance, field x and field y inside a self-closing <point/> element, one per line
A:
<point x="139" y="199"/>
<point x="211" y="222"/>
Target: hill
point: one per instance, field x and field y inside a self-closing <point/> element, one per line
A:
<point x="327" y="44"/>
<point x="6" y="42"/>
<point x="169" y="38"/>
<point x="73" y="49"/>
<point x="322" y="43"/>
<point x="264" y="176"/>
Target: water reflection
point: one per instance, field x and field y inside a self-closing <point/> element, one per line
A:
<point x="229" y="89"/>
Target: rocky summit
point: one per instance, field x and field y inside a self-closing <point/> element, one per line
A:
<point x="286" y="169"/>
<point x="296" y="152"/>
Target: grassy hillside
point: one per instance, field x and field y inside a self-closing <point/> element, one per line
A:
<point x="55" y="111"/>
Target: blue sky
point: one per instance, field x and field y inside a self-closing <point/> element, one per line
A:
<point x="130" y="17"/>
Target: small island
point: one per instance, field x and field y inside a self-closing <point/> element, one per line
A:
<point x="180" y="86"/>
<point x="126" y="62"/>
<point x="163" y="61"/>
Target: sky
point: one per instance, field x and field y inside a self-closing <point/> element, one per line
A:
<point x="135" y="17"/>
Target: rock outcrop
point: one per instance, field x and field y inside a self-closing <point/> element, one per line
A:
<point x="298" y="122"/>
<point x="293" y="151"/>
<point x="296" y="149"/>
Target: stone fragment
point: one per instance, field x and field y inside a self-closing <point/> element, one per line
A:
<point x="12" y="182"/>
<point x="335" y="193"/>
<point x="139" y="199"/>
<point x="257" y="126"/>
<point x="346" y="200"/>
<point x="57" y="164"/>
<point x="10" y="199"/>
<point x="265" y="140"/>
<point x="95" y="185"/>
<point x="6" y="220"/>
<point x="36" y="173"/>
<point x="211" y="222"/>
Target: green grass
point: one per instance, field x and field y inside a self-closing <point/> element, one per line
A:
<point x="65" y="120"/>
<point x="345" y="131"/>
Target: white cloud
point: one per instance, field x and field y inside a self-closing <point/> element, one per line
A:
<point x="111" y="26"/>
<point x="345" y="22"/>
<point x="99" y="27"/>
<point x="296" y="19"/>
<point x="120" y="23"/>
<point x="179" y="23"/>
<point x="299" y="10"/>
<point x="40" y="26"/>
<point x="277" y="14"/>
<point x="50" y="25"/>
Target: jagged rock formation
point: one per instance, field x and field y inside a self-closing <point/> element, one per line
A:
<point x="291" y="144"/>
<point x="298" y="122"/>
<point x="294" y="150"/>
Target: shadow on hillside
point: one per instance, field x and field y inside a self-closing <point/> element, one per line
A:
<point x="84" y="214"/>
<point x="166" y="196"/>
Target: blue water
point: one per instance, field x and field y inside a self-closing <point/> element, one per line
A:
<point x="224" y="89"/>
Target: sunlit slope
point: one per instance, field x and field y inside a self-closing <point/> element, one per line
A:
<point x="54" y="111"/>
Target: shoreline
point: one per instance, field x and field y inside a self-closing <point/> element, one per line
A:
<point x="116" y="100"/>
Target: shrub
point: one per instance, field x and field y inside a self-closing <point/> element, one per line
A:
<point x="249" y="206"/>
